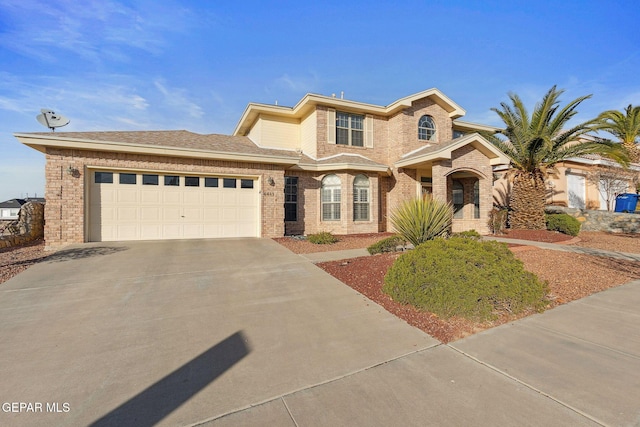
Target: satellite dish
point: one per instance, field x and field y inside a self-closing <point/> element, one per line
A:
<point x="51" y="120"/>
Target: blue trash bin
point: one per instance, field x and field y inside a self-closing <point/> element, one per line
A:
<point x="626" y="202"/>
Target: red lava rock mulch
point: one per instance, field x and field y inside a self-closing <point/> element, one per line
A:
<point x="570" y="276"/>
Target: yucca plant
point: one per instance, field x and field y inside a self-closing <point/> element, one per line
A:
<point x="419" y="220"/>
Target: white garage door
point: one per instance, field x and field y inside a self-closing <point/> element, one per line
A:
<point x="156" y="206"/>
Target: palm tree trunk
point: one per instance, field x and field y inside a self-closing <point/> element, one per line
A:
<point x="527" y="201"/>
<point x="632" y="150"/>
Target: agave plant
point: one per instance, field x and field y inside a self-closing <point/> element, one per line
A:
<point x="419" y="220"/>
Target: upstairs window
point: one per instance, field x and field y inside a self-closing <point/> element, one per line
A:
<point x="349" y="129"/>
<point x="361" y="198"/>
<point x="426" y="128"/>
<point x="331" y="198"/>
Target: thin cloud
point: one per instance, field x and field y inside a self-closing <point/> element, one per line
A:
<point x="91" y="30"/>
<point x="178" y="99"/>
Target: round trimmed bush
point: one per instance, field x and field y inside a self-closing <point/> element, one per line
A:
<point x="464" y="277"/>
<point x="563" y="223"/>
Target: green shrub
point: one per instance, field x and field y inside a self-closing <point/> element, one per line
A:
<point x="390" y="244"/>
<point x="468" y="234"/>
<point x="563" y="223"/>
<point x="322" y="238"/>
<point x="419" y="220"/>
<point x="464" y="277"/>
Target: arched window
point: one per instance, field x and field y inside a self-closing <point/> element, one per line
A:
<point x="361" y="198"/>
<point x="426" y="128"/>
<point x="458" y="199"/>
<point x="331" y="198"/>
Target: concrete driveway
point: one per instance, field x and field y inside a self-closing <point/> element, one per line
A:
<point x="180" y="332"/>
<point x="243" y="332"/>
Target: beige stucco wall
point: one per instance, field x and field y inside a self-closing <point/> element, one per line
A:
<point x="65" y="213"/>
<point x="309" y="135"/>
<point x="276" y="132"/>
<point x="557" y="191"/>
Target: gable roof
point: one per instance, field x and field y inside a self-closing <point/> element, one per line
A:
<point x="180" y="143"/>
<point x="309" y="102"/>
<point x="443" y="151"/>
<point x="12" y="204"/>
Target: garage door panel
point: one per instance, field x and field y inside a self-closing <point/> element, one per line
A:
<point x="129" y="196"/>
<point x="150" y="197"/>
<point x="212" y="198"/>
<point x="150" y="231"/>
<point x="127" y="231"/>
<point x="192" y="214"/>
<point x="192" y="197"/>
<point x="171" y="197"/>
<point x="246" y="214"/>
<point x="211" y="214"/>
<point x="135" y="211"/>
<point x="229" y="215"/>
<point x="150" y="213"/>
<point x="172" y="231"/>
<point x="192" y="231"/>
<point x="230" y="198"/>
<point x="127" y="214"/>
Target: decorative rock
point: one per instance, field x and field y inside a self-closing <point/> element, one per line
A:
<point x="612" y="222"/>
<point x="30" y="226"/>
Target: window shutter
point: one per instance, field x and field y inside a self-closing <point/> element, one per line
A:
<point x="368" y="131"/>
<point x="331" y="126"/>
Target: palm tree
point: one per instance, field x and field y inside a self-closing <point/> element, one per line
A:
<point x="537" y="142"/>
<point x="624" y="126"/>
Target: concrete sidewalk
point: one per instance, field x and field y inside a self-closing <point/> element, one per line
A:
<point x="244" y="332"/>
<point x="575" y="365"/>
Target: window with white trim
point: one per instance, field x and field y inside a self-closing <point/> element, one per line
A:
<point x="426" y="128"/>
<point x="331" y="198"/>
<point x="349" y="129"/>
<point x="458" y="199"/>
<point x="361" y="198"/>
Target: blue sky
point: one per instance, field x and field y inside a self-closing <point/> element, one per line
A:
<point x="194" y="65"/>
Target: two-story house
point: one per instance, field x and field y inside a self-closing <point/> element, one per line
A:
<point x="326" y="164"/>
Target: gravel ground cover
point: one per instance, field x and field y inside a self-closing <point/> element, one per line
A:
<point x="16" y="260"/>
<point x="570" y="276"/>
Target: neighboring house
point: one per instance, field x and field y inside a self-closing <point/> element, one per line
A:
<point x="326" y="164"/>
<point x="10" y="209"/>
<point x="588" y="182"/>
<point x="591" y="182"/>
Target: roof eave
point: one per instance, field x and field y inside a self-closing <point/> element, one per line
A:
<point x="41" y="143"/>
<point x="381" y="169"/>
<point x="495" y="156"/>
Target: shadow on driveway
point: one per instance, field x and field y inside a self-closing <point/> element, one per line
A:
<point x="80" y="253"/>
<point x="157" y="401"/>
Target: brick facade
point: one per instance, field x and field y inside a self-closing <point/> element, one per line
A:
<point x="395" y="134"/>
<point x="310" y="209"/>
<point x="66" y="191"/>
